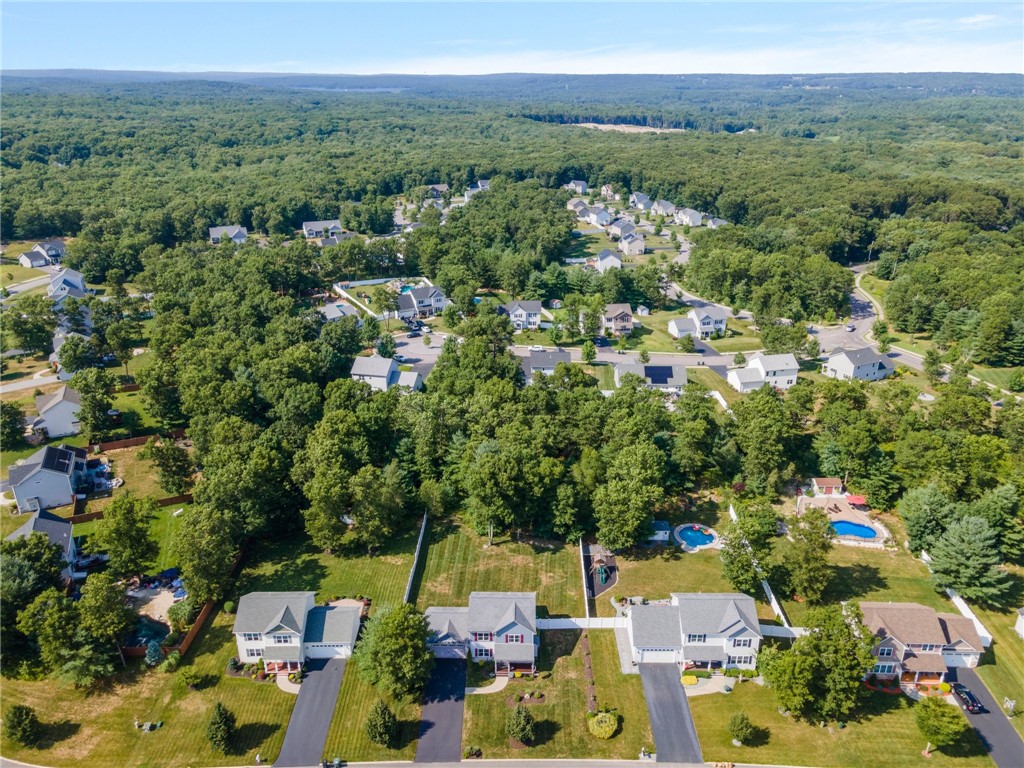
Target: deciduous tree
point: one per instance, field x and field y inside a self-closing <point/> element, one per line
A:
<point x="392" y="653"/>
<point x="124" y="534"/>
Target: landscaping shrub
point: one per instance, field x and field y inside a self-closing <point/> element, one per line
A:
<point x="740" y="728"/>
<point x="472" y="752"/>
<point x="234" y="664"/>
<point x="689" y="680"/>
<point x="189" y="677"/>
<point x="945" y="687"/>
<point x="171" y="640"/>
<point x="182" y="615"/>
<point x="171" y="662"/>
<point x="603" y="725"/>
<point x="21" y="725"/>
<point x="221" y="728"/>
<point x="381" y="724"/>
<point x="230" y="607"/>
<point x="520" y="725"/>
<point x="153" y="653"/>
<point x="702" y="674"/>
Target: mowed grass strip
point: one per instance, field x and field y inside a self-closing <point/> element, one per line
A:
<point x="347" y="737"/>
<point x="623" y="693"/>
<point x="458" y="561"/>
<point x="1002" y="666"/>
<point x="885" y="735"/>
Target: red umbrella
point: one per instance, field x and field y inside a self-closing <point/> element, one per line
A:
<point x="859" y="501"/>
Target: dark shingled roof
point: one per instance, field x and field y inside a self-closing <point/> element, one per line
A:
<point x="56" y="529"/>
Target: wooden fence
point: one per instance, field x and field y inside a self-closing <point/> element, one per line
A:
<point x="185" y="498"/>
<point x="131" y="442"/>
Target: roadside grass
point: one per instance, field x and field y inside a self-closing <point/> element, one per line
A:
<point x="885" y="734"/>
<point x="18" y="370"/>
<point x="711" y="380"/>
<point x="1002" y="665"/>
<point x="12" y="272"/>
<point x="869" y="574"/>
<point x="623" y="693"/>
<point x="561" y="725"/>
<point x="604" y="373"/>
<point x="1000" y="377"/>
<point x="26" y="397"/>
<point x="459" y="561"/>
<point x="347" y="735"/>
<point x="741" y="338"/>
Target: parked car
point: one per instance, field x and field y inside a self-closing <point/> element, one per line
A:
<point x="967" y="700"/>
<point x="414" y="334"/>
<point x="535" y="348"/>
<point x="601" y="341"/>
<point x="850" y="327"/>
<point x="400" y="358"/>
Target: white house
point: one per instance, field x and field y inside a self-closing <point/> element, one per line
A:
<point x="48" y="478"/>
<point x="779" y="371"/>
<point x="621" y="228"/>
<point x="56" y="529"/>
<point x="233" y="232"/>
<point x="916" y="643"/>
<point x="715" y="223"/>
<point x="66" y="283"/>
<point x="424" y="301"/>
<point x="525" y="315"/>
<point x="476" y="187"/>
<point x="702" y="630"/>
<point x="683" y="326"/>
<point x="500" y="626"/>
<point x="689" y="217"/>
<point x="608" y="192"/>
<point x="862" y="364"/>
<point x="632" y="245"/>
<point x="544" y="362"/>
<point x="578" y="186"/>
<point x="409" y="380"/>
<point x="381" y="373"/>
<point x="326" y="228"/>
<point x="286" y="628"/>
<point x="667" y="378"/>
<point x="640" y="200"/>
<point x="663" y="208"/>
<point x="599" y="217"/>
<point x="606" y="260"/>
<point x="33" y="260"/>
<point x="58" y="413"/>
<point x="338" y="309"/>
<point x="710" y="320"/>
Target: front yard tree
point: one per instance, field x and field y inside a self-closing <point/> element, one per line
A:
<point x="644" y="356"/>
<point x="812" y="541"/>
<point x="686" y="344"/>
<point x="740" y="728"/>
<point x="739" y="359"/>
<point x="966" y="558"/>
<point x="21" y="725"/>
<point x="371" y="331"/>
<point x="205" y="545"/>
<point x="12" y="427"/>
<point x="789" y="677"/>
<point x="124" y="533"/>
<point x="941" y="724"/>
<point x="392" y="654"/>
<point x="379" y="497"/>
<point x="933" y="365"/>
<point x="76" y="354"/>
<point x="173" y="465"/>
<point x="220" y="730"/>
<point x="381" y="724"/>
<point x="94" y="386"/>
<point x="589" y="352"/>
<point x="104" y="615"/>
<point x="386" y="346"/>
<point x="520" y="726"/>
<point x="31" y="322"/>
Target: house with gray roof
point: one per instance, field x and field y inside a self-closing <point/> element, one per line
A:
<point x="52" y="250"/>
<point x="57" y="531"/>
<point x="606" y="260"/>
<point x="58" y="413"/>
<point x="640" y="200"/>
<point x="862" y="364"/>
<point x="598" y="216"/>
<point x="422" y="301"/>
<point x="689" y="217"/>
<point x="715" y="223"/>
<point x="632" y="244"/>
<point x="482" y="185"/>
<point x="696" y="630"/>
<point x="667" y="378"/>
<point x="710" y="320"/>
<point x="544" y="362"/>
<point x="67" y="282"/>
<point x="33" y="260"/>
<point x="437" y="191"/>
<point x="779" y="371"/>
<point x="325" y="228"/>
<point x="234" y="232"/>
<point x="663" y="208"/>
<point x="48" y="478"/>
<point x="338" y="309"/>
<point x="683" y="326"/>
<point x="497" y="626"/>
<point x="381" y="373"/>
<point x="287" y="628"/>
<point x="578" y="186"/>
<point x="524" y="315"/>
<point x="621" y="228"/>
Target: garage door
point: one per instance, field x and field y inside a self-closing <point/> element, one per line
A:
<point x="657" y="655"/>
<point x="328" y="650"/>
<point x="448" y="651"/>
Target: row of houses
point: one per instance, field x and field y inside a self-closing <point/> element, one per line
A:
<point x="685" y="216"/>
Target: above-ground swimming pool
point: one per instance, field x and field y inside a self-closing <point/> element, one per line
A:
<point x="694" y="536"/>
<point x="845" y="528"/>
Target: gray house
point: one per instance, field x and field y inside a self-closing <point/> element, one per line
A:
<point x="578" y="186"/>
<point x="425" y="301"/>
<point x="56" y="529"/>
<point x="233" y="232"/>
<point x="525" y="315"/>
<point x="58" y="413"/>
<point x="544" y="362"/>
<point x="48" y="478"/>
<point x="476" y="187"/>
<point x="325" y="228"/>
<point x="640" y="200"/>
<point x="339" y="309"/>
<point x="52" y="250"/>
<point x="663" y="208"/>
<point x="67" y="283"/>
<point x="32" y="259"/>
<point x="667" y="378"/>
<point x="621" y="228"/>
<point x="381" y="373"/>
<point x="862" y="364"/>
<point x="500" y="626"/>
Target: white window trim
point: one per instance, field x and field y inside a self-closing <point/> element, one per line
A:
<point x="696" y="639"/>
<point x="885" y="653"/>
<point x="254" y="653"/>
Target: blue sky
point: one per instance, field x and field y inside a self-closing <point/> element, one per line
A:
<point x="484" y="37"/>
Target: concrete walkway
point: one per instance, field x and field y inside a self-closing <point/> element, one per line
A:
<point x="625" y="652"/>
<point x="498" y="685"/>
<point x="287" y="685"/>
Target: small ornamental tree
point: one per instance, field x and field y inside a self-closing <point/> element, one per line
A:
<point x="520" y="725"/>
<point x="22" y="726"/>
<point x="603" y="725"/>
<point x="153" y="653"/>
<point x="386" y="346"/>
<point x="589" y="352"/>
<point x="381" y="724"/>
<point x="739" y="359"/>
<point x="221" y="728"/>
<point x="740" y="728"/>
<point x="686" y="343"/>
<point x="940" y="724"/>
<point x="189" y="677"/>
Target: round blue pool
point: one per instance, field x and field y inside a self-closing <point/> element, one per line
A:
<point x="844" y="528"/>
<point x="694" y="537"/>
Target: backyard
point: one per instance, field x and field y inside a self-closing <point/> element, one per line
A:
<point x="884" y="734"/>
<point x="459" y="561"/>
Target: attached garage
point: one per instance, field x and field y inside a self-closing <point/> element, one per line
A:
<point x="328" y="650"/>
<point x="655" y="655"/>
<point x="331" y="632"/>
<point x="448" y="651"/>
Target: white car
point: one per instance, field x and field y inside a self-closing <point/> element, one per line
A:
<point x="535" y="348"/>
<point x="400" y="358"/>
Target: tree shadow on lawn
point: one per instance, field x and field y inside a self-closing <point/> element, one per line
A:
<point x="50" y="734"/>
<point x="852" y="581"/>
<point x="759" y="737"/>
<point x="405" y="734"/>
<point x="544" y="731"/>
<point x="251" y="736"/>
<point x="555" y="644"/>
<point x="876" y="704"/>
<point x="293" y="566"/>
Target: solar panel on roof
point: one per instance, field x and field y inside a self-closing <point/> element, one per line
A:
<point x="658" y="374"/>
<point x="57" y="459"/>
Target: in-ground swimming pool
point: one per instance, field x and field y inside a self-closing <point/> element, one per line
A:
<point x="844" y="528"/>
<point x="694" y="537"/>
<point x="147" y="630"/>
<point x="406" y="288"/>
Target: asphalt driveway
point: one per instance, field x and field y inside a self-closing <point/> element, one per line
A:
<point x="675" y="737"/>
<point x="1003" y="743"/>
<point x="311" y="718"/>
<point x="441" y="722"/>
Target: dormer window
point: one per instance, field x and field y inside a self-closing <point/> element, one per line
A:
<point x="885" y="652"/>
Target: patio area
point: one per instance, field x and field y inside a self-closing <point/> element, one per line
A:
<point x="850" y="519"/>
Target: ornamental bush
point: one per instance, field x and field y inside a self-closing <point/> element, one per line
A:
<point x="740" y="728"/>
<point x="21" y="725"/>
<point x="689" y="679"/>
<point x="381" y="725"/>
<point x="519" y="725"/>
<point x="171" y="662"/>
<point x="153" y="653"/>
<point x="603" y="725"/>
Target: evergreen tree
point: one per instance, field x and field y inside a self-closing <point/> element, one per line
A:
<point x="519" y="725"/>
<point x="966" y="559"/>
<point x="926" y="511"/>
<point x="21" y="725"/>
<point x="220" y="729"/>
<point x="381" y="725"/>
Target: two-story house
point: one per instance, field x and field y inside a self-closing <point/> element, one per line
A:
<point x="599" y="217"/>
<point x="498" y="626"/>
<point x="578" y="186"/>
<point x="326" y="228"/>
<point x="667" y="378"/>
<point x="632" y="244"/>
<point x="381" y="373"/>
<point x="48" y="478"/>
<point x="524" y="315"/>
<point x="286" y="628"/>
<point x="862" y="364"/>
<point x="477" y="187"/>
<point x="915" y="643"/>
<point x="715" y="223"/>
<point x="710" y="320"/>
<point x="437" y="191"/>
<point x="621" y="228"/>
<point x="617" y="319"/>
<point x="233" y="232"/>
<point x="42" y="254"/>
<point x="65" y="284"/>
<point x="58" y="413"/>
<point x="640" y="200"/>
<point x="779" y="371"/>
<point x="606" y="260"/>
<point x="424" y="301"/>
<point x="689" y="217"/>
<point x="701" y="630"/>
<point x="608" y="192"/>
<point x="663" y="208"/>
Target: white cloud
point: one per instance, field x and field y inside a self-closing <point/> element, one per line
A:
<point x="981" y="19"/>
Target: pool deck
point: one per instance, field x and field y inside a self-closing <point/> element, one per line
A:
<point x="715" y="543"/>
<point x="839" y="510"/>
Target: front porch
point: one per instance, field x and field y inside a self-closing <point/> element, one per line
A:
<point x="509" y="668"/>
<point x="282" y="667"/>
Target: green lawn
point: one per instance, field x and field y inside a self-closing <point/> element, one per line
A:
<point x="458" y="562"/>
<point x="560" y="719"/>
<point x="740" y="339"/>
<point x="139" y="475"/>
<point x="886" y="734"/>
<point x="1000" y="377"/>
<point x="1002" y="666"/>
<point x="605" y="375"/>
<point x="347" y="738"/>
<point x="711" y="380"/>
<point x="16" y="369"/>
<point x="624" y="693"/>
<point x="164" y="524"/>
